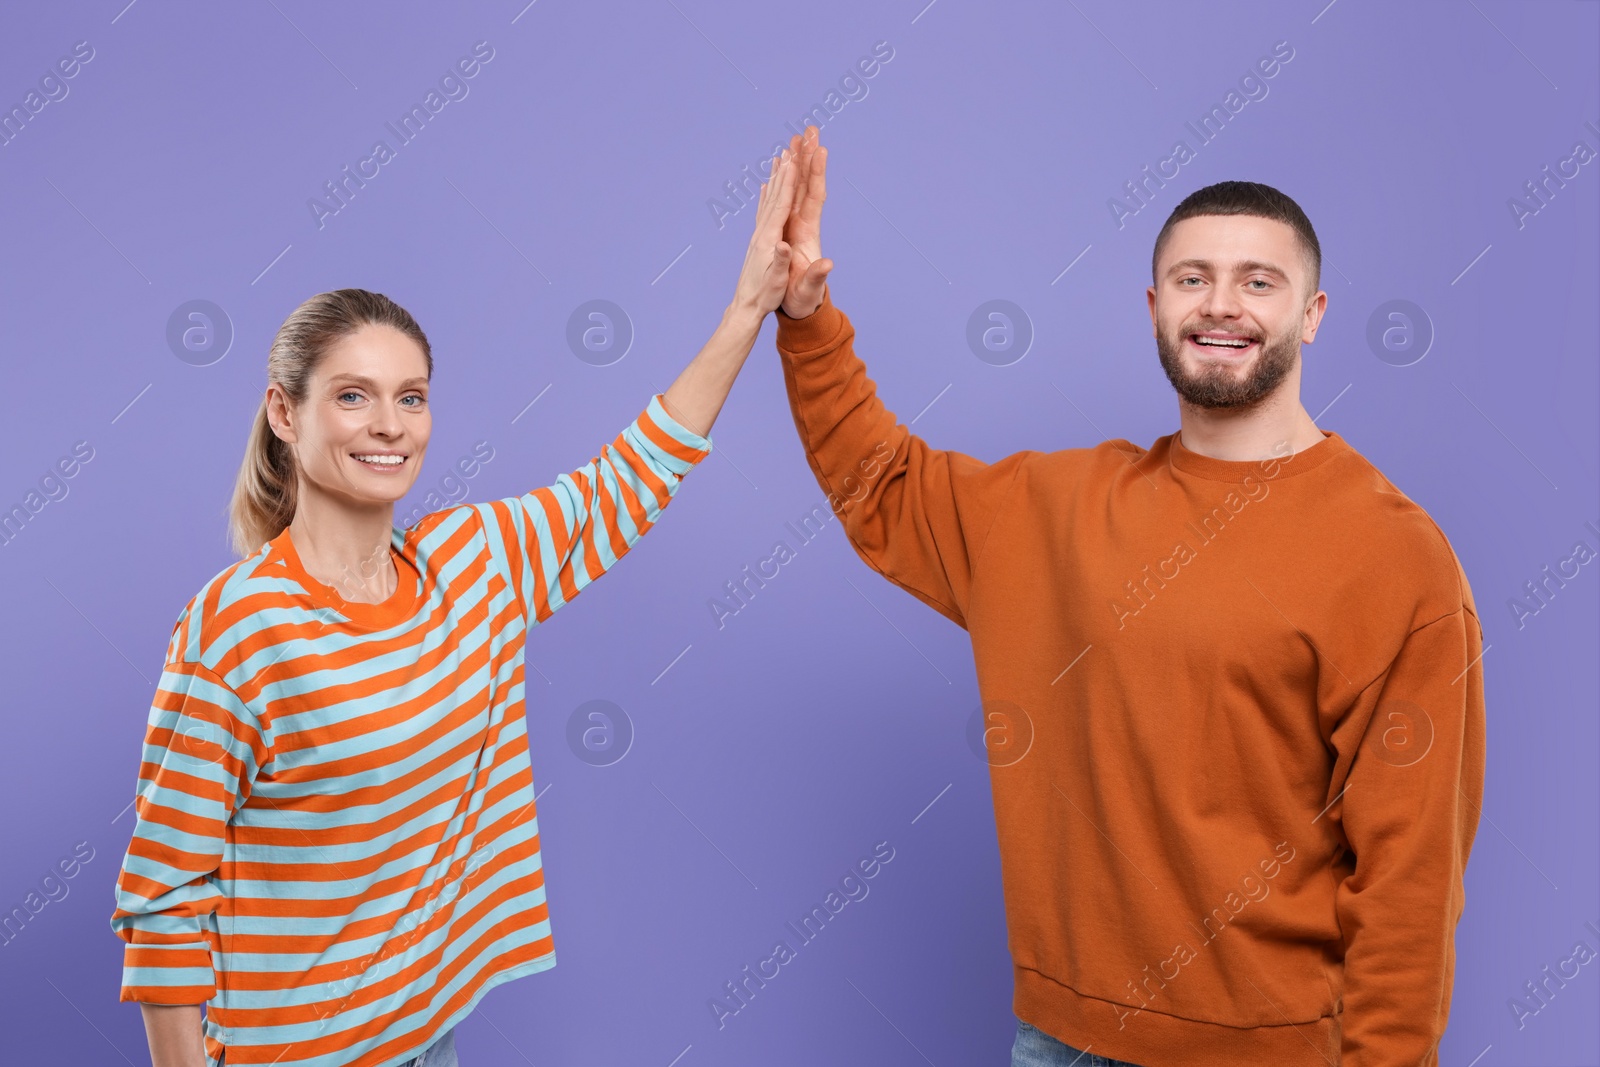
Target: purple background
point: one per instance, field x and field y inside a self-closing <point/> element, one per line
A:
<point x="829" y="713"/>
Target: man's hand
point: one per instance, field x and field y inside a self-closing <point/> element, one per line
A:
<point x="808" y="271"/>
<point x="764" y="277"/>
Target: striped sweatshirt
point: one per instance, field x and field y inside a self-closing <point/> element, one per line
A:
<point x="336" y="842"/>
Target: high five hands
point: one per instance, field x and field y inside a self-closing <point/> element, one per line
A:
<point x="808" y="271"/>
<point x="783" y="264"/>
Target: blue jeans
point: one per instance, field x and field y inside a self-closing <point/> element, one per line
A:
<point x="442" y="1053"/>
<point x="1035" y="1048"/>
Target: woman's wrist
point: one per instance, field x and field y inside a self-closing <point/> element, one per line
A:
<point x="741" y="318"/>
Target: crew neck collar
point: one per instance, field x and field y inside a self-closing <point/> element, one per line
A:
<point x="1271" y="467"/>
<point x="399" y="606"/>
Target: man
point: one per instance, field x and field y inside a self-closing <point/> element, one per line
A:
<point x="1232" y="681"/>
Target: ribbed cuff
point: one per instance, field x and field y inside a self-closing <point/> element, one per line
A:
<point x="802" y="337"/>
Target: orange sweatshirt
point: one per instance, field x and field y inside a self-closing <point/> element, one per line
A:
<point x="1234" y="717"/>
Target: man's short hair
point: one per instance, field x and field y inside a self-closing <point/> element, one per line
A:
<point x="1246" y="198"/>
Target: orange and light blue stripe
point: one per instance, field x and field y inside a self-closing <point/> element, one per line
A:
<point x="336" y="843"/>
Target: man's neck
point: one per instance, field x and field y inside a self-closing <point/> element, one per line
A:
<point x="1247" y="434"/>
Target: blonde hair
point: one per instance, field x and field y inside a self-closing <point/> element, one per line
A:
<point x="265" y="493"/>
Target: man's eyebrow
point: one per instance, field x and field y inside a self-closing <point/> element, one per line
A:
<point x="1248" y="266"/>
<point x="370" y="384"/>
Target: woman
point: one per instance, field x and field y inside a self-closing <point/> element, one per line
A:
<point x="336" y="847"/>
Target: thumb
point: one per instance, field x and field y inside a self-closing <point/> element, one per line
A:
<point x="817" y="273"/>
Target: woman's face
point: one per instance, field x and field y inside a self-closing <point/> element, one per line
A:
<point x="364" y="426"/>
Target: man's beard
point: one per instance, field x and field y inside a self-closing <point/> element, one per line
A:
<point x="1222" y="386"/>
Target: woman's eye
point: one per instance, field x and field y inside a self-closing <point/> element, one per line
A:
<point x="419" y="400"/>
<point x="343" y="395"/>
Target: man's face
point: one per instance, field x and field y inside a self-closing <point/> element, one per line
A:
<point x="1229" y="309"/>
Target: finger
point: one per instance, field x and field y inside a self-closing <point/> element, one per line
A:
<point x="786" y="191"/>
<point x="777" y="204"/>
<point x="801" y="175"/>
<point x="777" y="207"/>
<point x="817" y="179"/>
<point x="764" y="200"/>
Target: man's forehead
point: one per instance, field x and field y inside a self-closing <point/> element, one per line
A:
<point x="1240" y="243"/>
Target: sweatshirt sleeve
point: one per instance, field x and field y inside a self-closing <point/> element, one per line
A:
<point x="1410" y="805"/>
<point x="560" y="538"/>
<point x="916" y="515"/>
<point x="202" y="749"/>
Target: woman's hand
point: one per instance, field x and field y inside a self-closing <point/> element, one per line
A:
<point x="765" y="276"/>
<point x="808" y="271"/>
